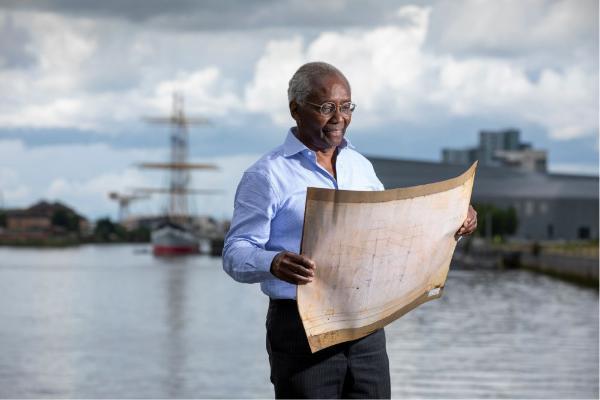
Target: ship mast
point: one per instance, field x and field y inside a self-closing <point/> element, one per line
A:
<point x="179" y="168"/>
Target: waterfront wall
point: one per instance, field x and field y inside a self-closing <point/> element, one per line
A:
<point x="571" y="266"/>
<point x="579" y="268"/>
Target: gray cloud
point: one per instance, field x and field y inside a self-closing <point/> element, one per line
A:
<point x="536" y="33"/>
<point x="226" y="15"/>
<point x="13" y="45"/>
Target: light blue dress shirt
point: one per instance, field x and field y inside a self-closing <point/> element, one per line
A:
<point x="269" y="208"/>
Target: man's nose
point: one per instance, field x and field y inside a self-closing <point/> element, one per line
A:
<point x="337" y="115"/>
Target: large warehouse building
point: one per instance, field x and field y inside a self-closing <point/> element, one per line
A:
<point x="549" y="206"/>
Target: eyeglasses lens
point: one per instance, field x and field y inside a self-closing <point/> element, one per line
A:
<point x="329" y="108"/>
<point x="347" y="108"/>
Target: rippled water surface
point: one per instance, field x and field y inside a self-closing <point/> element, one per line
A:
<point x="113" y="321"/>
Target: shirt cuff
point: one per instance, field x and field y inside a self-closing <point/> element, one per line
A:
<point x="264" y="260"/>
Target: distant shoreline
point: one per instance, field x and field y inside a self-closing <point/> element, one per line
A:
<point x="61" y="242"/>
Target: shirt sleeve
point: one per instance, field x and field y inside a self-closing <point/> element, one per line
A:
<point x="245" y="258"/>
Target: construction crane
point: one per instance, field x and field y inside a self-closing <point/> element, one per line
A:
<point x="178" y="191"/>
<point x="124" y="200"/>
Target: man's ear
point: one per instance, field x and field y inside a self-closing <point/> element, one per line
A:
<point x="294" y="110"/>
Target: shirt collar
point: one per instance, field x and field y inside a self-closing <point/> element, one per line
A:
<point x="292" y="145"/>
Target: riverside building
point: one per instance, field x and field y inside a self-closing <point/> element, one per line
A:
<point x="549" y="206"/>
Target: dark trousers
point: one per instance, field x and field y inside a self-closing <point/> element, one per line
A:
<point x="355" y="369"/>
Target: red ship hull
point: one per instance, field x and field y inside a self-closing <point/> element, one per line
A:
<point x="174" y="250"/>
<point x="174" y="240"/>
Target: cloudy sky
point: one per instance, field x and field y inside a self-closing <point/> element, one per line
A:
<point x="77" y="77"/>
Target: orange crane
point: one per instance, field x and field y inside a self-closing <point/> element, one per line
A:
<point x="124" y="200"/>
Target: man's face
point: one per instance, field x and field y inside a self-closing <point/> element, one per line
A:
<point x="318" y="131"/>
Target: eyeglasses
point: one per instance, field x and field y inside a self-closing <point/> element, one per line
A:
<point x="330" y="107"/>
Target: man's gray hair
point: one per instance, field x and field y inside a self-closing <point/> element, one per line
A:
<point x="301" y="83"/>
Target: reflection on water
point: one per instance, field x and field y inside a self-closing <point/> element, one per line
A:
<point x="175" y="320"/>
<point x="111" y="321"/>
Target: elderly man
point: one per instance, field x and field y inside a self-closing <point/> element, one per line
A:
<point x="263" y="243"/>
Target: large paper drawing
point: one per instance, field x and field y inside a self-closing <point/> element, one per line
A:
<point x="378" y="255"/>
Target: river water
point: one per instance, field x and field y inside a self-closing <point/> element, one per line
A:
<point x="113" y="321"/>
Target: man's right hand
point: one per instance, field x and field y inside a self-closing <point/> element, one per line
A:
<point x="293" y="268"/>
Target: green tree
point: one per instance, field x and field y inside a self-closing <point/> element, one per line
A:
<point x="108" y="231"/>
<point x="104" y="228"/>
<point x="511" y="221"/>
<point x="504" y="221"/>
<point x="65" y="219"/>
<point x="140" y="234"/>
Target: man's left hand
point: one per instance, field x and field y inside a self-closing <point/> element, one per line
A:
<point x="470" y="224"/>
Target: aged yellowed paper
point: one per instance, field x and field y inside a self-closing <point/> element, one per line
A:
<point x="378" y="255"/>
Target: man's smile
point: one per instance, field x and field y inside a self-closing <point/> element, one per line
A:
<point x="334" y="130"/>
<point x="332" y="135"/>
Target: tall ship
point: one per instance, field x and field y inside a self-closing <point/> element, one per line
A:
<point x="176" y="234"/>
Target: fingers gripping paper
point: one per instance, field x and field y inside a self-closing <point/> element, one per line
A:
<point x="378" y="255"/>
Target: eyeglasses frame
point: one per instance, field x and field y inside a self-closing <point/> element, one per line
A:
<point x="337" y="107"/>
